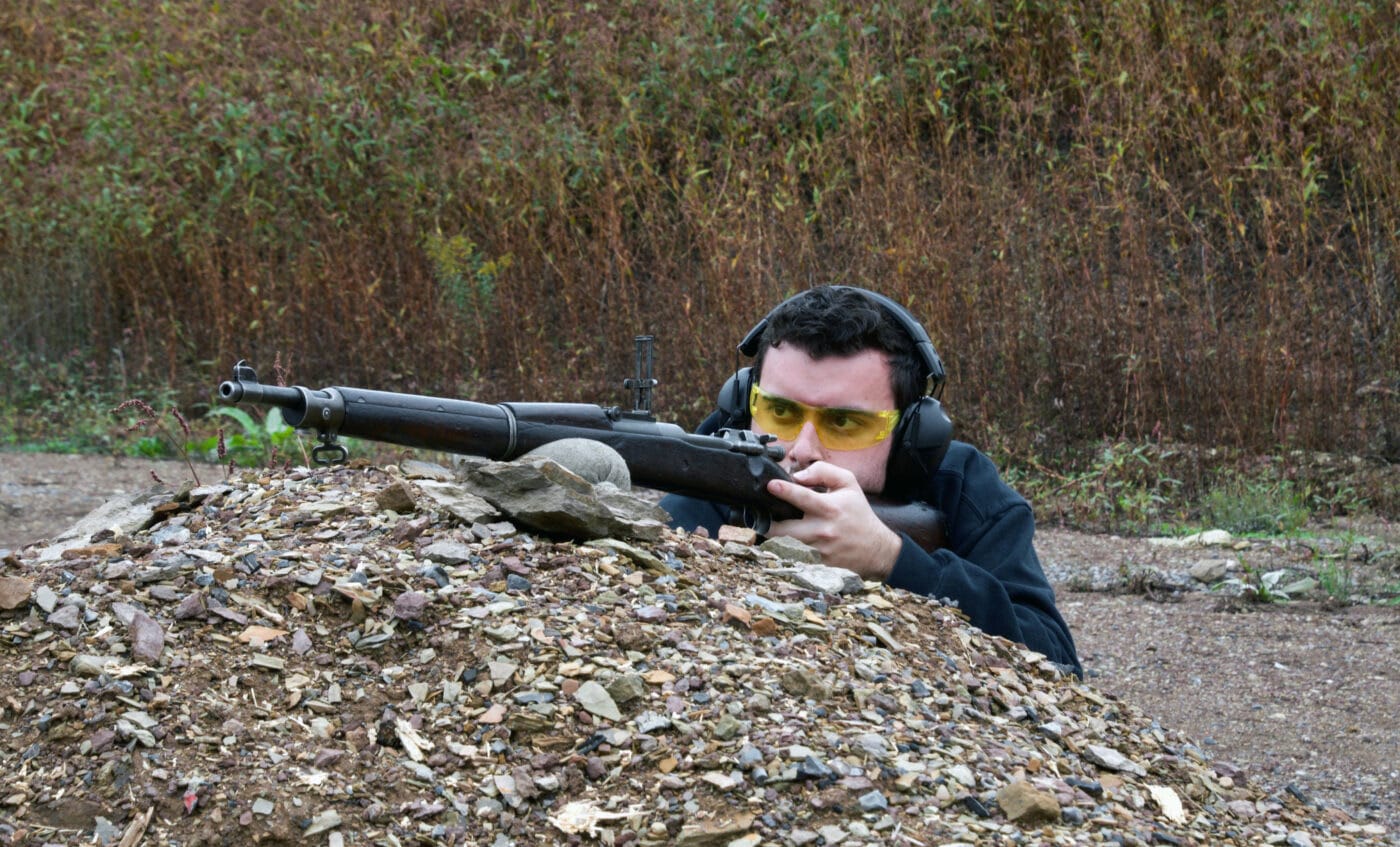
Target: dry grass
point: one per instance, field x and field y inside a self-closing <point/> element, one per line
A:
<point x="1133" y="220"/>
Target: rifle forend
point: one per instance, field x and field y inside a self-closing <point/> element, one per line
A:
<point x="732" y="468"/>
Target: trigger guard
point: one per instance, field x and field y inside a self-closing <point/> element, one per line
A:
<point x="759" y="522"/>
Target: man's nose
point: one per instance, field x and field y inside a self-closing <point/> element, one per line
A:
<point x="806" y="448"/>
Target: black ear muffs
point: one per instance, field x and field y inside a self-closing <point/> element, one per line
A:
<point x="920" y="439"/>
<point x="733" y="404"/>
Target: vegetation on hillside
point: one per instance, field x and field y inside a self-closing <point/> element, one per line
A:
<point x="1150" y="223"/>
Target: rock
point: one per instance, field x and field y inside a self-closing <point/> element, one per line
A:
<point x="823" y="578"/>
<point x="322" y="822"/>
<point x="458" y="501"/>
<point x="88" y="665"/>
<point x="14" y="592"/>
<point x="104" y="831"/>
<point x="301" y="642"/>
<point x="125" y="612"/>
<point x="597" y="701"/>
<point x="449" y="553"/>
<point x="409" y="605"/>
<point x="1027" y="805"/>
<point x="68" y="617"/>
<point x="626" y="688"/>
<point x="1169" y="802"/>
<point x="1106" y="757"/>
<point x="801" y="682"/>
<point x="147" y="638"/>
<point x="791" y="550"/>
<point x="650" y="614"/>
<point x="713" y="832"/>
<point x="874" y="801"/>
<point x="1208" y="538"/>
<point x="418" y="469"/>
<point x="397" y="497"/>
<point x="191" y="607"/>
<point x="640" y="557"/>
<point x="550" y="499"/>
<point x="1210" y="571"/>
<point x="125" y="514"/>
<point x="729" y="534"/>
<point x="729" y="727"/>
<point x="45" y="599"/>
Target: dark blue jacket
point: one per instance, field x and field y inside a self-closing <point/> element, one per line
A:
<point x="989" y="567"/>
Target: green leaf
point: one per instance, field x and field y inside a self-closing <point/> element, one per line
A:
<point x="275" y="424"/>
<point x="244" y="419"/>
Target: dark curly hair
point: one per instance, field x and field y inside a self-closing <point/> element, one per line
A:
<point x="842" y="321"/>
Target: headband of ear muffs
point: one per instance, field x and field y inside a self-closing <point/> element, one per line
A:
<point x="921" y="438"/>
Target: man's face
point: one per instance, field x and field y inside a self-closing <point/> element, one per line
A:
<point x="862" y="381"/>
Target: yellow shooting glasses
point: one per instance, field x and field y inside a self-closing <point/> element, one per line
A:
<point x="837" y="429"/>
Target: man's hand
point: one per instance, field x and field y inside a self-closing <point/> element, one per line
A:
<point x="837" y="521"/>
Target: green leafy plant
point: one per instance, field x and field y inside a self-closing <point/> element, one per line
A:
<point x="1124" y="488"/>
<point x="1268" y="586"/>
<point x="1336" y="573"/>
<point x="1245" y="506"/>
<point x="1337" y="579"/>
<point x="254" y="443"/>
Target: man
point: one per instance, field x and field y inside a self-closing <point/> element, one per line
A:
<point x="838" y="376"/>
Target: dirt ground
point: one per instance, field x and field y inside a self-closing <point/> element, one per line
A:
<point x="1303" y="696"/>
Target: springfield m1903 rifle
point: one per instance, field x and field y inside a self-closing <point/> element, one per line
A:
<point x="731" y="467"/>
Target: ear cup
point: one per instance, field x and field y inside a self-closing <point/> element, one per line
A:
<point x="920" y="442"/>
<point x="733" y="402"/>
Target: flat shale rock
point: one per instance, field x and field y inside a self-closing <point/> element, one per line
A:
<point x="452" y="682"/>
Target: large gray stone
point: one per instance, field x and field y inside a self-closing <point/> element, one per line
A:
<point x="823" y="578"/>
<point x="545" y="497"/>
<point x="455" y="499"/>
<point x="125" y="515"/>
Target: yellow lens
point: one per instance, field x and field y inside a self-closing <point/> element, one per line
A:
<point x="783" y="418"/>
<point x="837" y="429"/>
<point x="843" y="429"/>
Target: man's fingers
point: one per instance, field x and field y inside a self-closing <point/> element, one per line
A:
<point x="825" y="475"/>
<point x="809" y="486"/>
<point x="805" y="499"/>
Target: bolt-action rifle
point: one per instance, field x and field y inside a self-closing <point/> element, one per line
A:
<point x="731" y="467"/>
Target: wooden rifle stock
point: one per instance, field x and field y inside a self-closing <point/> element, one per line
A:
<point x="918" y="520"/>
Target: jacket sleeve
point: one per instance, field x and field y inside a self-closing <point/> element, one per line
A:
<point x="997" y="581"/>
<point x="990" y="567"/>
<point x="691" y="513"/>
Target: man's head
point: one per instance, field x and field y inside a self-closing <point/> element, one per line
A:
<point x="833" y="372"/>
<point x="842" y="321"/>
<point x="839" y="349"/>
